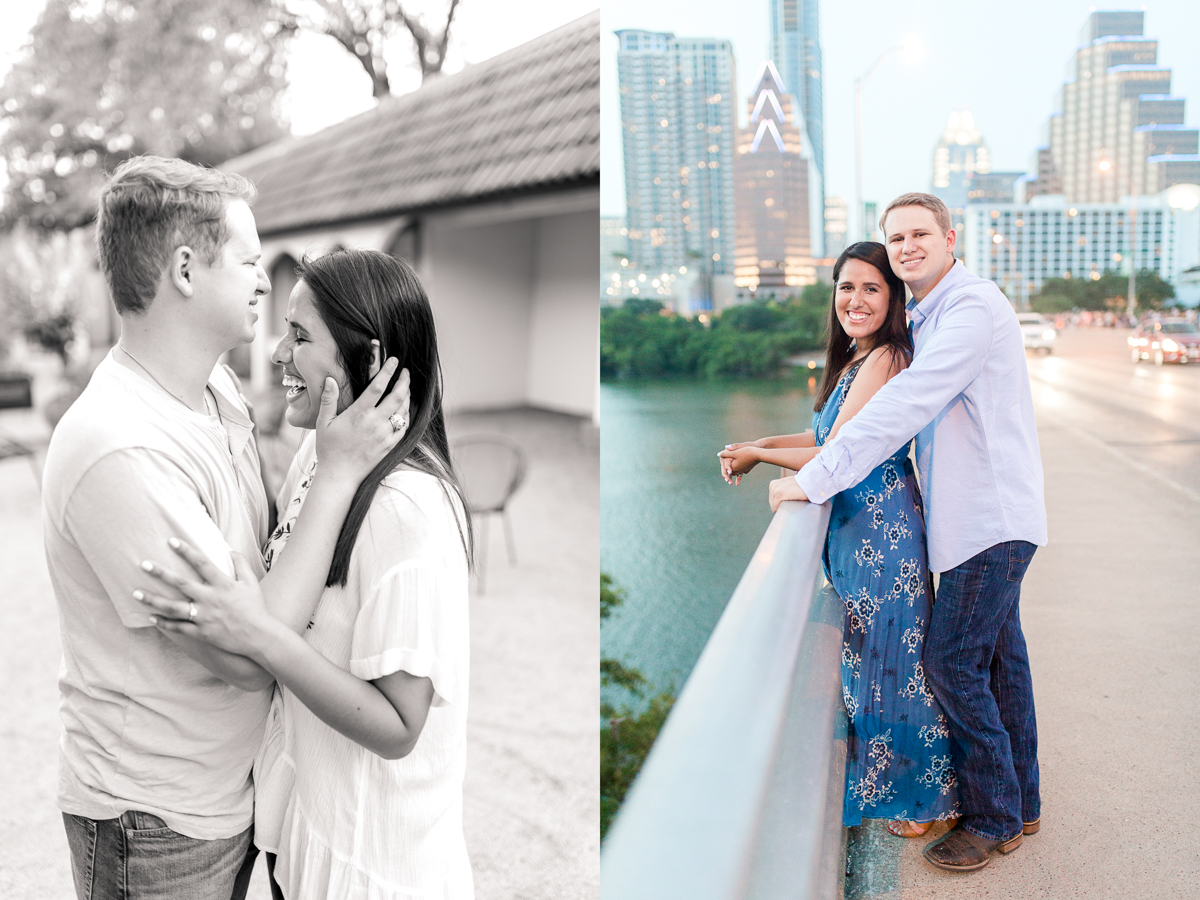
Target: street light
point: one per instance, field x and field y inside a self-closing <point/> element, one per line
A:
<point x="997" y="239"/>
<point x="911" y="50"/>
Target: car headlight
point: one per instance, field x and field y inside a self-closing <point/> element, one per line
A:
<point x="1049" y="334"/>
<point x="1169" y="345"/>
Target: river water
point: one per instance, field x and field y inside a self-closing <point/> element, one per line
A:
<point x="672" y="533"/>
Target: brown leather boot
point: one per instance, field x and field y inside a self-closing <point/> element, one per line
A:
<point x="958" y="850"/>
<point x="1031" y="827"/>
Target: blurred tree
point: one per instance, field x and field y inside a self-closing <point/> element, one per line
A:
<point x="626" y="735"/>
<point x="102" y="80"/>
<point x="1109" y="291"/>
<point x="364" y="27"/>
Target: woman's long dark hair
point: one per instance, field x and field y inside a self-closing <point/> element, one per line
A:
<point x="893" y="334"/>
<point x="363" y="295"/>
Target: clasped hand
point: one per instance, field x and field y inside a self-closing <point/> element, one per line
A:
<point x="229" y="613"/>
<point x="350" y="444"/>
<point x="737" y="460"/>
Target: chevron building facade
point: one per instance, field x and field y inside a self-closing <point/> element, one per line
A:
<point x="777" y="193"/>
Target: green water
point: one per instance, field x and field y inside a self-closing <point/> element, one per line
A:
<point x="672" y="533"/>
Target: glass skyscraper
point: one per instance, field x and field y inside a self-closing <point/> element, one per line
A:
<point x="796" y="52"/>
<point x="677" y="132"/>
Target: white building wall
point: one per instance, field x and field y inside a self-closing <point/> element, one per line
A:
<point x="564" y="356"/>
<point x="480" y="279"/>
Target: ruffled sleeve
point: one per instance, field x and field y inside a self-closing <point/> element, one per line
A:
<point x="411" y="623"/>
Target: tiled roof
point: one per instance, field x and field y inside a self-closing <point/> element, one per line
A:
<point x="524" y="121"/>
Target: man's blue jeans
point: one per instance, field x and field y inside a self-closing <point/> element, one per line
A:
<point x="137" y="857"/>
<point x="977" y="666"/>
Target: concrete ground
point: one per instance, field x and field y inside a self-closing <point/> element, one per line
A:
<point x="532" y="786"/>
<point x="1111" y="615"/>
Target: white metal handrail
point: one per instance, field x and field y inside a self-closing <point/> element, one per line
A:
<point x="741" y="796"/>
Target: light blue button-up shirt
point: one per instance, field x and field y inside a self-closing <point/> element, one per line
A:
<point x="966" y="398"/>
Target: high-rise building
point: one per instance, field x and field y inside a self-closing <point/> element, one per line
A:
<point x="959" y="155"/>
<point x="774" y="178"/>
<point x="796" y="51"/>
<point x="678" y="129"/>
<point x="1117" y="122"/>
<point x="1020" y="245"/>
<point x="836" y="226"/>
<point x="993" y="187"/>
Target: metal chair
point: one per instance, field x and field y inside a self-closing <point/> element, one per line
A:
<point x="491" y="468"/>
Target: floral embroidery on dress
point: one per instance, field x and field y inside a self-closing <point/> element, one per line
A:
<point x="914" y="635"/>
<point x="917" y="687"/>
<point x="861" y="609"/>
<point x="940" y="775"/>
<point x="869" y="791"/>
<point x="931" y="733"/>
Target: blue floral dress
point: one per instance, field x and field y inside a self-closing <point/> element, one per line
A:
<point x="898" y="752"/>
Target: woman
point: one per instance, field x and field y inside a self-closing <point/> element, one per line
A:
<point x="898" y="757"/>
<point x="359" y="780"/>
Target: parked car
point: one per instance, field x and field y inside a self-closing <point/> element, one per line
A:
<point x="1039" y="333"/>
<point x="1168" y="340"/>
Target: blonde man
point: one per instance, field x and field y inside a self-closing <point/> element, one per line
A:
<point x="160" y="730"/>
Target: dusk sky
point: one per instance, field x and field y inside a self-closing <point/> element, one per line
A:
<point x="1004" y="61"/>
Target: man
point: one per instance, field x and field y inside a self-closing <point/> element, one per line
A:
<point x="161" y="730"/>
<point x="966" y="397"/>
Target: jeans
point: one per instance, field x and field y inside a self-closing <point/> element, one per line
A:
<point x="977" y="666"/>
<point x="137" y="857"/>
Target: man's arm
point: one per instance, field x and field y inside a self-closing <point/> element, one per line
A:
<point x="950" y="359"/>
<point x="122" y="512"/>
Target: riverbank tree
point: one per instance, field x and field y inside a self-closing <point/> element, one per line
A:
<point x="643" y="339"/>
<point x="626" y="734"/>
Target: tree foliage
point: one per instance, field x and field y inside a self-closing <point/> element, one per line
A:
<point x="626" y="736"/>
<point x="643" y="340"/>
<point x="365" y="27"/>
<point x="1109" y="291"/>
<point x="102" y="80"/>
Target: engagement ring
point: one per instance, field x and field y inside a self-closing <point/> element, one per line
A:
<point x="191" y="612"/>
<point x="399" y="422"/>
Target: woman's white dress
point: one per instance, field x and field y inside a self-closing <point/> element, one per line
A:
<point x="345" y="822"/>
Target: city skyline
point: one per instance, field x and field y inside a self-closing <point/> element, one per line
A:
<point x="1010" y="102"/>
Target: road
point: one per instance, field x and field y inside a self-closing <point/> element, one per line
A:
<point x="1111" y="615"/>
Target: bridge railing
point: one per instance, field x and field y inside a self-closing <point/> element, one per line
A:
<point x="741" y="796"/>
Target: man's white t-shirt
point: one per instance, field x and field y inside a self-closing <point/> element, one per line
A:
<point x="146" y="726"/>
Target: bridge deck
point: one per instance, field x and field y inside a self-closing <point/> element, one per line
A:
<point x="1111" y="613"/>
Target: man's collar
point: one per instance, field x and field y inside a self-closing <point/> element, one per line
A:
<point x="918" y="311"/>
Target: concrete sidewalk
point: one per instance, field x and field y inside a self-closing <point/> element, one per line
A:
<point x="532" y="788"/>
<point x="1111" y="617"/>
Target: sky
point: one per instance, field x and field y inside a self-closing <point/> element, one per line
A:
<point x="326" y="85"/>
<point x="1003" y="60"/>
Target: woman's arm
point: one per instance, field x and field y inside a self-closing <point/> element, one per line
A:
<point x="349" y="445"/>
<point x="738" y="459"/>
<point x="385" y="715"/>
<point x="788" y="450"/>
